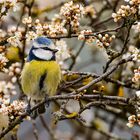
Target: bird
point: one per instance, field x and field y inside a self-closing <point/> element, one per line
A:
<point x="13" y="54"/>
<point x="41" y="74"/>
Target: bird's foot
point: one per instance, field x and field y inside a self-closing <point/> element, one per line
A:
<point x="30" y="113"/>
<point x="28" y="109"/>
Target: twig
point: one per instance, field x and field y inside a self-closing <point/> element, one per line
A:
<point x="94" y="75"/>
<point x="101" y="22"/>
<point x="23" y="10"/>
<point x="26" y="29"/>
<point x="35" y="132"/>
<point x="93" y="34"/>
<point x="30" y="7"/>
<point x="121" y="52"/>
<point x="112" y="69"/>
<point x="77" y="54"/>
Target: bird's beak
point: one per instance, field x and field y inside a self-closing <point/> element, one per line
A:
<point x="55" y="50"/>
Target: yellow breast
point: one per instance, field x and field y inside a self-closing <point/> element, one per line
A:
<point x="31" y="74"/>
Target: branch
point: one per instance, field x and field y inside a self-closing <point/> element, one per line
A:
<point x="86" y="36"/>
<point x="111" y="70"/>
<point x="73" y="95"/>
<point x="4" y="41"/>
<point x="94" y="75"/>
<point x="112" y="99"/>
<point x="121" y="52"/>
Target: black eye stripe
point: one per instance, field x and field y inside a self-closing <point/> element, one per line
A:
<point x="44" y="48"/>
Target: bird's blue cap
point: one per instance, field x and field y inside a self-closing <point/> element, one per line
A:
<point x="42" y="49"/>
<point x="43" y="41"/>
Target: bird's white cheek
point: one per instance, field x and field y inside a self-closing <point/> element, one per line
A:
<point x="43" y="54"/>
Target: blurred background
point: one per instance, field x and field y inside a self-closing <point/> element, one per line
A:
<point x="106" y="123"/>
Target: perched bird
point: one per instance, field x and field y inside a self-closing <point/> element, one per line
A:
<point x="13" y="54"/>
<point x="41" y="73"/>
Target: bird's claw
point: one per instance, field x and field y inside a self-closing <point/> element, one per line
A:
<point x="28" y="109"/>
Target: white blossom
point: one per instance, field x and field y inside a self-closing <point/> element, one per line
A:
<point x="138" y="93"/>
<point x="63" y="52"/>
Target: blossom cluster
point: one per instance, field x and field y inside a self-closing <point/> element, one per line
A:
<point x="7" y="89"/>
<point x="134" y="52"/>
<point x="63" y="52"/>
<point x="101" y="40"/>
<point x="5" y="5"/>
<point x="133" y="2"/>
<point x="123" y="12"/>
<point x="49" y="29"/>
<point x="127" y="10"/>
<point x="9" y="110"/>
<point x="85" y="34"/>
<point x="2" y="34"/>
<point x="3" y="61"/>
<point x="104" y="40"/>
<point x="13" y="109"/>
<point x="72" y="13"/>
<point x="136" y="78"/>
<point x="2" y="49"/>
<point x="13" y="71"/>
<point x="16" y="35"/>
<point x="16" y="39"/>
<point x="133" y="119"/>
<point x="54" y="29"/>
<point x="138" y="94"/>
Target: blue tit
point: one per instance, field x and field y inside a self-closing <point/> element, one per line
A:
<point x="41" y="73"/>
<point x="13" y="54"/>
